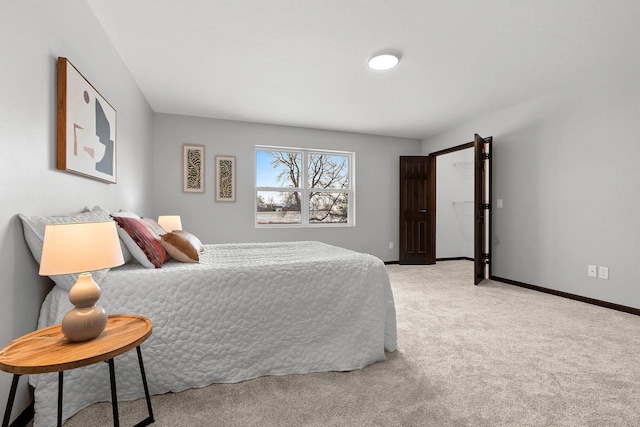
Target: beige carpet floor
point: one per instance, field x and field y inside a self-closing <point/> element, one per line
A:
<point x="488" y="355"/>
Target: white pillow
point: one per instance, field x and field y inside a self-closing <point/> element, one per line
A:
<point x="126" y="253"/>
<point x="153" y="226"/>
<point x="34" y="226"/>
<point x="134" y="249"/>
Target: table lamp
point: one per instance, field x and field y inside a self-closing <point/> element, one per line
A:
<point x="81" y="248"/>
<point x="170" y="222"/>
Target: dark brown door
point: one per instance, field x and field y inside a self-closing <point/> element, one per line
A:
<point x="482" y="209"/>
<point x="417" y="210"/>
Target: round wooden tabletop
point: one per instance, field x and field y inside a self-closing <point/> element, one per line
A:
<point x="47" y="350"/>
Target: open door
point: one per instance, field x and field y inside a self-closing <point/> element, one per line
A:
<point x="417" y="210"/>
<point x="482" y="208"/>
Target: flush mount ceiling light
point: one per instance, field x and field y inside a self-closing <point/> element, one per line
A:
<point x="383" y="61"/>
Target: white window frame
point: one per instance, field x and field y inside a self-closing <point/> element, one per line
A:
<point x="305" y="190"/>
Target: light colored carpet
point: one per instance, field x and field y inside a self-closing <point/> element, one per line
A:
<point x="488" y="355"/>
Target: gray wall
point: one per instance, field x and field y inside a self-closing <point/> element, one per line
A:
<point x="566" y="166"/>
<point x="454" y="204"/>
<point x="223" y="222"/>
<point x="32" y="35"/>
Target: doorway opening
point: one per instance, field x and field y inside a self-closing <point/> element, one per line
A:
<point x="476" y="211"/>
<point x="470" y="208"/>
<point x="454" y="205"/>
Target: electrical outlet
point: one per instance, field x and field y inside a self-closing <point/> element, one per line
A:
<point x="592" y="271"/>
<point x="390" y="245"/>
<point x="603" y="273"/>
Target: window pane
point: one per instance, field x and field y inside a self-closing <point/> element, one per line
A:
<point x="328" y="207"/>
<point x="278" y="169"/>
<point x="328" y="171"/>
<point x="278" y="207"/>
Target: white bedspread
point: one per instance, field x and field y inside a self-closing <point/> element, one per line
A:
<point x="246" y="310"/>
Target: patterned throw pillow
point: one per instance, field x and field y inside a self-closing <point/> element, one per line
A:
<point x="146" y="248"/>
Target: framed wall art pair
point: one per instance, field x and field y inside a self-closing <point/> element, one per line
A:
<point x="193" y="177"/>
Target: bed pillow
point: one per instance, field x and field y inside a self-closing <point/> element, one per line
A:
<point x="198" y="243"/>
<point x="153" y="227"/>
<point x="182" y="246"/>
<point x="126" y="253"/>
<point x="143" y="245"/>
<point x="33" y="227"/>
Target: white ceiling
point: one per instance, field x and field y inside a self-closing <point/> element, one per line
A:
<point x="303" y="62"/>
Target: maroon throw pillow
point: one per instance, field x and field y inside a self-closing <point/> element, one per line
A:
<point x="150" y="245"/>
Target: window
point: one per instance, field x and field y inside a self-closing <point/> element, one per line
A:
<point x="300" y="187"/>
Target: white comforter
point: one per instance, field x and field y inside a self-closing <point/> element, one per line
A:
<point x="246" y="310"/>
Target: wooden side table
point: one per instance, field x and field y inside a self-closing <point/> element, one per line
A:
<point x="46" y="350"/>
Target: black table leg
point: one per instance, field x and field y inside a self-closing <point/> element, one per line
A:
<point x="150" y="418"/>
<point x="60" y="380"/>
<point x="114" y="394"/>
<point x="12" y="396"/>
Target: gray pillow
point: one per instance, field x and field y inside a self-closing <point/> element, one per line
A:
<point x="34" y="235"/>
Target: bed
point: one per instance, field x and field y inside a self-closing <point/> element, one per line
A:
<point x="244" y="311"/>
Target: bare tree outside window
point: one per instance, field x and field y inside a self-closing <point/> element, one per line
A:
<point x="324" y="183"/>
<point x="288" y="166"/>
<point x="328" y="172"/>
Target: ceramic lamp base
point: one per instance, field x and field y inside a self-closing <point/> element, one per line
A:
<point x="86" y="321"/>
<point x="84" y="324"/>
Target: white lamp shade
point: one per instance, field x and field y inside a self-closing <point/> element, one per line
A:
<point x="80" y="247"/>
<point x="170" y="222"/>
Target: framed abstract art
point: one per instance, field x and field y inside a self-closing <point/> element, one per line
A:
<point x="225" y="178"/>
<point x="193" y="168"/>
<point x="86" y="127"/>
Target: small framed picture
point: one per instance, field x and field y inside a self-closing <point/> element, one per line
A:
<point x="193" y="168"/>
<point x="225" y="178"/>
